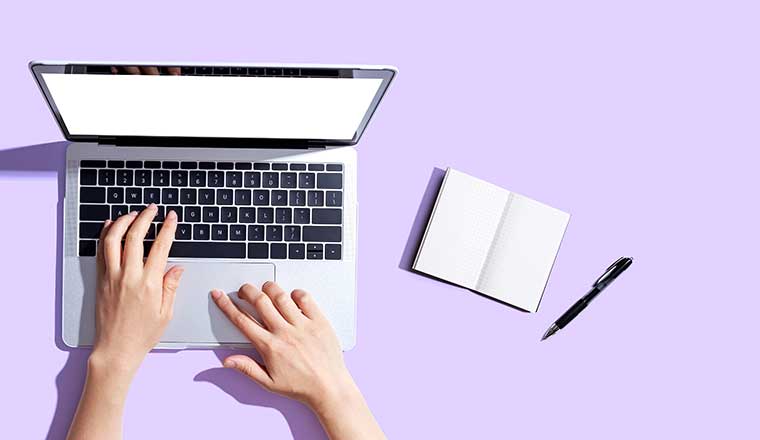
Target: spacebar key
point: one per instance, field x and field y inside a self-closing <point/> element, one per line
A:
<point x="207" y="250"/>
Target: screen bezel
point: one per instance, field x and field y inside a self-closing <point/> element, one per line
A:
<point x="385" y="73"/>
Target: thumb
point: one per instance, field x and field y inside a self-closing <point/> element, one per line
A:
<point x="171" y="283"/>
<point x="250" y="368"/>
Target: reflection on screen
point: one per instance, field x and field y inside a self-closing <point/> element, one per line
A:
<point x="212" y="106"/>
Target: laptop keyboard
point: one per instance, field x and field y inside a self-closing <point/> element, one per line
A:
<point x="248" y="210"/>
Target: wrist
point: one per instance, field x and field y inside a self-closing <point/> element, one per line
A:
<point x="104" y="364"/>
<point x="335" y="397"/>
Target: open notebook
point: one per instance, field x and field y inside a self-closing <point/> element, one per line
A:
<point x="491" y="240"/>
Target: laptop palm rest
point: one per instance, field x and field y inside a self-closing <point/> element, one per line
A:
<point x="197" y="320"/>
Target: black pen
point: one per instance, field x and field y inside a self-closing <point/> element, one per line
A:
<point x="608" y="277"/>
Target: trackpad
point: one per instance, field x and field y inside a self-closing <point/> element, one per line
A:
<point x="197" y="319"/>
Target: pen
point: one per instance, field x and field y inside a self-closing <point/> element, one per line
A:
<point x="605" y="280"/>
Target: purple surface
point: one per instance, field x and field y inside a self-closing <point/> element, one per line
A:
<point x="640" y="119"/>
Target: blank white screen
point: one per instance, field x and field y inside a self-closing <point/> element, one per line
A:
<point x="211" y="106"/>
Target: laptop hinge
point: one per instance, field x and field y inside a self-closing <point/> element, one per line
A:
<point x="133" y="141"/>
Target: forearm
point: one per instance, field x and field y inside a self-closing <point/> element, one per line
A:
<point x="101" y="407"/>
<point x="346" y="416"/>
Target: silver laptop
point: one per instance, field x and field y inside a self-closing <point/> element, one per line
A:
<point x="257" y="161"/>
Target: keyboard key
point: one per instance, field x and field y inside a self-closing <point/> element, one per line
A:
<point x="216" y="179"/>
<point x="326" y="216"/>
<point x="261" y="166"/>
<point x="332" y="252"/>
<point x="270" y="180"/>
<point x="255" y="233"/>
<point x="161" y="178"/>
<point x="179" y="178"/>
<point x="334" y="167"/>
<point x="316" y="198"/>
<point x="330" y="180"/>
<point x="237" y="232"/>
<point x="206" y="197"/>
<point x="243" y="165"/>
<point x="297" y="198"/>
<point x="87" y="248"/>
<point x="247" y="215"/>
<point x="242" y="197"/>
<point x="322" y="233"/>
<point x="151" y="195"/>
<point x="106" y="177"/>
<point x="279" y="197"/>
<point x="92" y="195"/>
<point x="334" y="198"/>
<point x="184" y="232"/>
<point x="229" y="214"/>
<point x="261" y="197"/>
<point x="283" y="215"/>
<point x="314" y="251"/>
<point x="224" y="197"/>
<point x="152" y="164"/>
<point x="206" y="165"/>
<point x="192" y="214"/>
<point x="301" y="215"/>
<point x="90" y="230"/>
<point x="225" y="165"/>
<point x="115" y="195"/>
<point x="252" y="179"/>
<point x="210" y="214"/>
<point x="170" y="165"/>
<point x="210" y="249"/>
<point x="288" y="180"/>
<point x="292" y="233"/>
<point x="258" y="250"/>
<point x="143" y="178"/>
<point x="92" y="163"/>
<point x="274" y="233"/>
<point x="94" y="212"/>
<point x="306" y="180"/>
<point x="316" y="167"/>
<point x="118" y="210"/>
<point x="177" y="210"/>
<point x="88" y="177"/>
<point x="151" y="234"/>
<point x="234" y="179"/>
<point x="115" y="164"/>
<point x="134" y="164"/>
<point x="298" y="167"/>
<point x="296" y="251"/>
<point x="169" y="196"/>
<point x="219" y="232"/>
<point x="280" y="166"/>
<point x="124" y="177"/>
<point x="265" y="215"/>
<point x="160" y="213"/>
<point x="188" y="196"/>
<point x="201" y="232"/>
<point x="188" y="165"/>
<point x="197" y="178"/>
<point x="279" y="251"/>
<point x="133" y="195"/>
<point x="136" y="208"/>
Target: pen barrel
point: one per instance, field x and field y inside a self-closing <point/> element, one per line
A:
<point x="572" y="312"/>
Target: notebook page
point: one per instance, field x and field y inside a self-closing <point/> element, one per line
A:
<point x="523" y="252"/>
<point x="461" y="228"/>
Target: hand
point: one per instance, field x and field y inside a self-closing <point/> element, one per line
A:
<point x="134" y="299"/>
<point x="302" y="358"/>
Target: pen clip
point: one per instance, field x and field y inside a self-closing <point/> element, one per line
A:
<point x="610" y="270"/>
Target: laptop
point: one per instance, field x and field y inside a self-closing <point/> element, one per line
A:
<point x="257" y="161"/>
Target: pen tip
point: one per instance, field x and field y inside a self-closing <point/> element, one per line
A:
<point x="552" y="330"/>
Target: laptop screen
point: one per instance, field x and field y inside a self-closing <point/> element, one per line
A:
<point x="174" y="102"/>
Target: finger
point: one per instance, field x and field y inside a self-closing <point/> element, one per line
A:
<point x="282" y="301"/>
<point x="171" y="283"/>
<point x="112" y="241"/>
<point x="133" y="246"/>
<point x="254" y="332"/>
<point x="173" y="70"/>
<point x="159" y="252"/>
<point x="307" y="304"/>
<point x="269" y="315"/>
<point x="132" y="70"/>
<point x="99" y="253"/>
<point x="250" y="368"/>
<point x="149" y="70"/>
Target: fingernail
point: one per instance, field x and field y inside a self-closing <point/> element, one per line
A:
<point x="216" y="294"/>
<point x="133" y="213"/>
<point x="108" y="222"/>
<point x="152" y="207"/>
<point x="171" y="215"/>
<point x="229" y="363"/>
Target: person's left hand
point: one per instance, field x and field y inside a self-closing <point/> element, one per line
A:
<point x="134" y="298"/>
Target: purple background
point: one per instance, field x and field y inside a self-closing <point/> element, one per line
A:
<point x="640" y="118"/>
